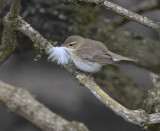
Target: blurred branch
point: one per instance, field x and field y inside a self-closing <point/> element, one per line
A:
<point x="146" y="6"/>
<point x="118" y="10"/>
<point x="2" y="2"/>
<point x="139" y="117"/>
<point x="20" y="101"/>
<point x="9" y="39"/>
<point x="142" y="7"/>
<point x="155" y="78"/>
<point x="14" y="10"/>
<point x="8" y="42"/>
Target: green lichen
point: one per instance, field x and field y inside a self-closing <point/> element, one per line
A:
<point x="152" y="101"/>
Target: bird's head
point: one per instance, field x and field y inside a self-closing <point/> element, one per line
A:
<point x="73" y="42"/>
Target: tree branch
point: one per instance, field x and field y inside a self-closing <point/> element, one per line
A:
<point x="14" y="10"/>
<point x="121" y="87"/>
<point x="152" y="101"/>
<point x="131" y="15"/>
<point x="23" y="103"/>
<point x="139" y="117"/>
<point x="9" y="39"/>
<point x="120" y="11"/>
<point x="146" y="6"/>
<point x="142" y="7"/>
<point x="155" y="78"/>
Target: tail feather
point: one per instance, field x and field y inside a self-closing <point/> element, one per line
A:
<point x="117" y="58"/>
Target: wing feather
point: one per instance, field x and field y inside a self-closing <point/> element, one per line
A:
<point x="95" y="55"/>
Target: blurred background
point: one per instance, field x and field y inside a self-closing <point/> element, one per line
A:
<point x="51" y="84"/>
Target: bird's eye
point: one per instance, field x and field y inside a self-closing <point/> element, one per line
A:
<point x="73" y="43"/>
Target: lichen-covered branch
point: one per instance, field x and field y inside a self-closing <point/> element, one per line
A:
<point x="20" y="101"/>
<point x="155" y="78"/>
<point x="152" y="101"/>
<point x="14" y="10"/>
<point x="118" y="10"/>
<point x="120" y="87"/>
<point x="131" y="15"/>
<point x="142" y="7"/>
<point x="9" y="39"/>
<point x="139" y="117"/>
<point x="39" y="42"/>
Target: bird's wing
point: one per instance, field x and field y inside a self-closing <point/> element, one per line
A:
<point x="103" y="59"/>
<point x="95" y="55"/>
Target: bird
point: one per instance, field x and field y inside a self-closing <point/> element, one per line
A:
<point x="88" y="55"/>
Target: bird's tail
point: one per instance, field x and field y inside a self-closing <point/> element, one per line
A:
<point x="117" y="58"/>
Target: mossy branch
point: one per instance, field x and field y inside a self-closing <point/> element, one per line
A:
<point x="14" y="10"/>
<point x="9" y="39"/>
<point x="20" y="101"/>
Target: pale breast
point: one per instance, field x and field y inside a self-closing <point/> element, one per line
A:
<point x="85" y="65"/>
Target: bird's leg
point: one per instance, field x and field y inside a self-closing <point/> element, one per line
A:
<point x="76" y="69"/>
<point x="87" y="78"/>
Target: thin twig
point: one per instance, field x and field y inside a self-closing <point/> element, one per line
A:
<point x="146" y="6"/>
<point x="20" y="101"/>
<point x="131" y="15"/>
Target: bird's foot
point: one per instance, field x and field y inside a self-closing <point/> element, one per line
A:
<point x="87" y="78"/>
